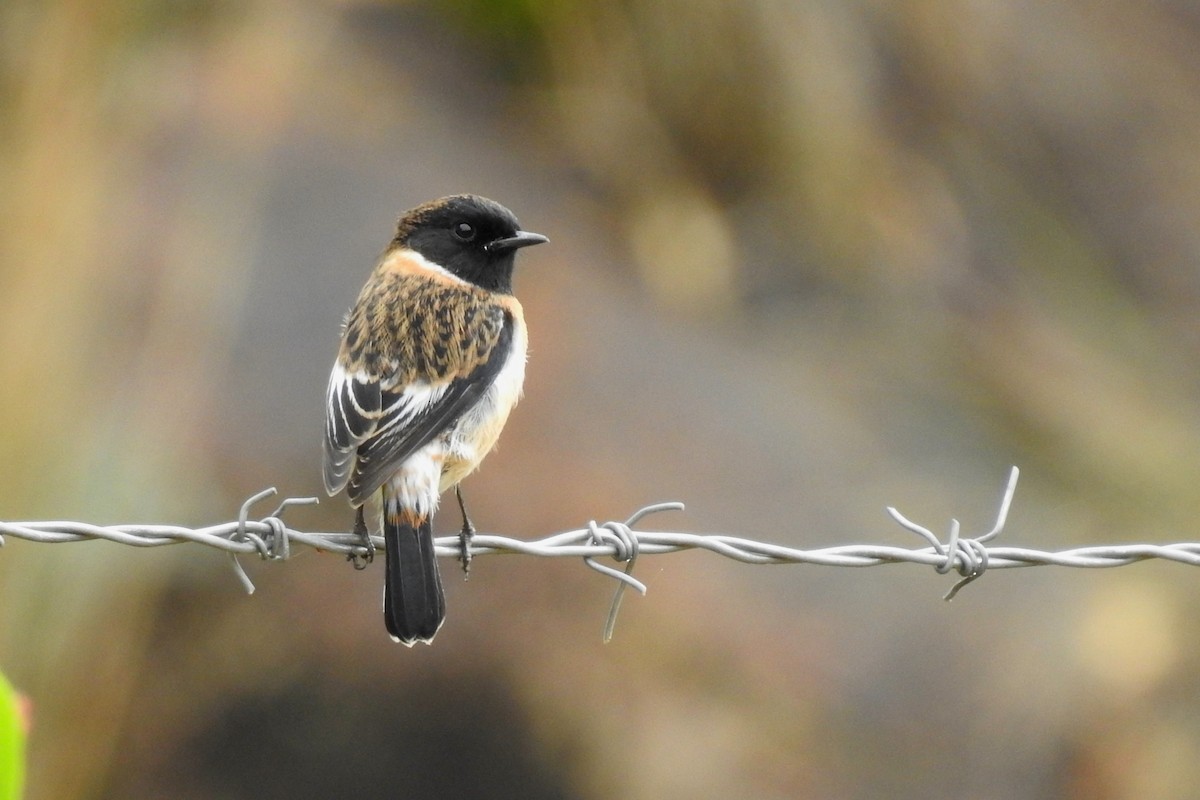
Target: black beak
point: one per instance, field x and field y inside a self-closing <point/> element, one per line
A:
<point x="518" y="240"/>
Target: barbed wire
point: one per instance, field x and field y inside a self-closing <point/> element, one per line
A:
<point x="271" y="539"/>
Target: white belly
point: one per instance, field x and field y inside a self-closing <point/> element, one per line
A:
<point x="449" y="458"/>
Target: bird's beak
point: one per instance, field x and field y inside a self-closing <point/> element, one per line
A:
<point x="518" y="240"/>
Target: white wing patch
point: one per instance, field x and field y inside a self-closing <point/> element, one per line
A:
<point x="357" y="409"/>
<point x="409" y="403"/>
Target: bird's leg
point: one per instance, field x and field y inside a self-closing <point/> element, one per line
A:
<point x="360" y="530"/>
<point x="464" y="536"/>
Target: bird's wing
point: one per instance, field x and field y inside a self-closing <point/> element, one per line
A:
<point x="409" y="367"/>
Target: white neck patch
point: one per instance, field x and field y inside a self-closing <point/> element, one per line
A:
<point x="418" y="263"/>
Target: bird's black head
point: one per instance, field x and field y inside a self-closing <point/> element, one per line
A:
<point x="472" y="237"/>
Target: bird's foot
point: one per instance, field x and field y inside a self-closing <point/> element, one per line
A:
<point x="465" y="535"/>
<point x="361" y="560"/>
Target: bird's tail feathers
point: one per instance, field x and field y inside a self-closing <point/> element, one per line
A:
<point x="414" y="606"/>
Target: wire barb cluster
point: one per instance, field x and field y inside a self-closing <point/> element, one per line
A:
<point x="968" y="556"/>
<point x="271" y="539"/>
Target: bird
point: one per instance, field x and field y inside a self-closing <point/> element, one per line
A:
<point x="431" y="362"/>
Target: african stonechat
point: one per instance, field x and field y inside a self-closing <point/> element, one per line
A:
<point x="431" y="362"/>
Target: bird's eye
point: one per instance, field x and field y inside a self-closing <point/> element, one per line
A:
<point x="464" y="231"/>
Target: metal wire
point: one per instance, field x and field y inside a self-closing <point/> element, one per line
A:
<point x="271" y="539"/>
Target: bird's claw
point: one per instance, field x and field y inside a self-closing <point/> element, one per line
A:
<point x="362" y="559"/>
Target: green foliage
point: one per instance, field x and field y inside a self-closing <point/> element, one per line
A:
<point x="12" y="743"/>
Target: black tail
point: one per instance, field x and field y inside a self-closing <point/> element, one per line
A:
<point x="413" y="604"/>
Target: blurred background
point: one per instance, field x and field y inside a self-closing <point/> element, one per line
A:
<point x="808" y="260"/>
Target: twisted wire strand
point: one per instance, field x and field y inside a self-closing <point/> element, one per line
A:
<point x="271" y="539"/>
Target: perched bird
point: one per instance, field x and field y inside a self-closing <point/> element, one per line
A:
<point x="431" y="362"/>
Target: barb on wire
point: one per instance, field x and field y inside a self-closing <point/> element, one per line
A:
<point x="624" y="543"/>
<point x="968" y="556"/>
<point x="271" y="539"/>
